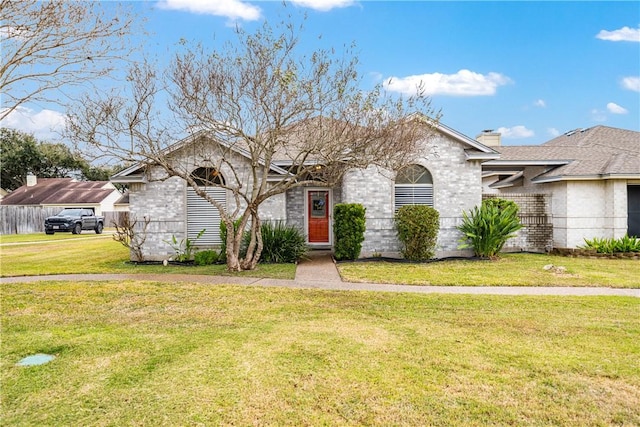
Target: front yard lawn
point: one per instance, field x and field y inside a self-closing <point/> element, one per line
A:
<point x="62" y="254"/>
<point x="510" y="270"/>
<point x="142" y="353"/>
<point x="22" y="256"/>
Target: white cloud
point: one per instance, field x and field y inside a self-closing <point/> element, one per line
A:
<point x="516" y="132"/>
<point x="462" y="83"/>
<point x="553" y="131"/>
<point x="324" y="5"/>
<point x="624" y="34"/>
<point x="44" y="124"/>
<point x="616" y="109"/>
<point x="232" y="9"/>
<point x="540" y="103"/>
<point x="631" y="83"/>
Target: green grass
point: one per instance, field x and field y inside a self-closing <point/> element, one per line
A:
<point x="25" y="255"/>
<point x="39" y="237"/>
<point x="509" y="270"/>
<point x="62" y="254"/>
<point x="137" y="353"/>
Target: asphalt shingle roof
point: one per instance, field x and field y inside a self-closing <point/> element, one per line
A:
<point x="59" y="191"/>
<point x="600" y="150"/>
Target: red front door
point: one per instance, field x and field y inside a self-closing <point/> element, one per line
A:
<point x="318" y="216"/>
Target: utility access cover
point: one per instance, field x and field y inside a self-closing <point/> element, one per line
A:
<point x="36" y="359"/>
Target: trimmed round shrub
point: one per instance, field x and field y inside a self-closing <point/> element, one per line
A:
<point x="207" y="257"/>
<point x="417" y="227"/>
<point x="349" y="225"/>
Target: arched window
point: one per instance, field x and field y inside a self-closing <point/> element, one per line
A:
<point x="414" y="186"/>
<point x="207" y="177"/>
<point x="202" y="215"/>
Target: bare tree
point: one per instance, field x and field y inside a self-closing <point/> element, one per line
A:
<point x="131" y="234"/>
<point x="295" y="119"/>
<point x="48" y="45"/>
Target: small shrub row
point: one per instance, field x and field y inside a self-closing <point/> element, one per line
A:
<point x="611" y="246"/>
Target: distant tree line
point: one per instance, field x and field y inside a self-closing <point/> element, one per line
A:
<point x="21" y="154"/>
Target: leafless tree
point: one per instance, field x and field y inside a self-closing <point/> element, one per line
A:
<point x="260" y="100"/>
<point x="49" y="45"/>
<point x="131" y="234"/>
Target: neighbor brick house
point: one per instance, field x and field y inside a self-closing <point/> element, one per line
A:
<point x="447" y="174"/>
<point x="587" y="181"/>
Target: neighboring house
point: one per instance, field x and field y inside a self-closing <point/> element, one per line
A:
<point x="446" y="175"/>
<point x="589" y="180"/>
<point x="64" y="192"/>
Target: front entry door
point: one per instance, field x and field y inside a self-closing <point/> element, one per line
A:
<point x="318" y="216"/>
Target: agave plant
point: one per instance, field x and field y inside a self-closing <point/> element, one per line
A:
<point x="487" y="228"/>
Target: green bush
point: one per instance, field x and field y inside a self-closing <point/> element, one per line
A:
<point x="417" y="227"/>
<point x="185" y="248"/>
<point x="207" y="257"/>
<point x="610" y="246"/>
<point x="487" y="228"/>
<point x="281" y="243"/>
<point x="348" y="230"/>
<point x="501" y="203"/>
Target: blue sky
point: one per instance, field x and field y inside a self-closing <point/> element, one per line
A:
<point x="530" y="70"/>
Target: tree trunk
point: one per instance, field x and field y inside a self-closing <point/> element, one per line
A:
<point x="255" y="244"/>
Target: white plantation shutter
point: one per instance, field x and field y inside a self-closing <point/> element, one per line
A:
<point x="413" y="195"/>
<point x="203" y="215"/>
<point x="414" y="186"/>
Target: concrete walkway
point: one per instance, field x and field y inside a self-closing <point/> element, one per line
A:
<point x="319" y="272"/>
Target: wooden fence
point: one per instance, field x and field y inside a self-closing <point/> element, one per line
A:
<point x="30" y="219"/>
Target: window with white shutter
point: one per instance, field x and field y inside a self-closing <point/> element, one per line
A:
<point x="202" y="215"/>
<point x="414" y="186"/>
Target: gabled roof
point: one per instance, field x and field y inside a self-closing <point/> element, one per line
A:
<point x="60" y="191"/>
<point x="135" y="172"/>
<point x="283" y="154"/>
<point x="599" y="152"/>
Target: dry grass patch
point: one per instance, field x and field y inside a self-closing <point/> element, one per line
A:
<point x="139" y="353"/>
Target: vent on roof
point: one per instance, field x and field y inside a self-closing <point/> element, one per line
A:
<point x="571" y="132"/>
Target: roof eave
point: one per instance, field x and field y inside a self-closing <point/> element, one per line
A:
<point x="588" y="177"/>
<point x="465" y="139"/>
<point x="481" y="156"/>
<point x="526" y="162"/>
<point x="129" y="179"/>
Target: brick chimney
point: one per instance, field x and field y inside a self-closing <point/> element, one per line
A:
<point x="489" y="138"/>
<point x="31" y="180"/>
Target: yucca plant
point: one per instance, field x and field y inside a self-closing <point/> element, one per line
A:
<point x="281" y="243"/>
<point x="487" y="228"/>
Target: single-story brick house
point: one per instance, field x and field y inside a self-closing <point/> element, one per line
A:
<point x="447" y="174"/>
<point x="587" y="180"/>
